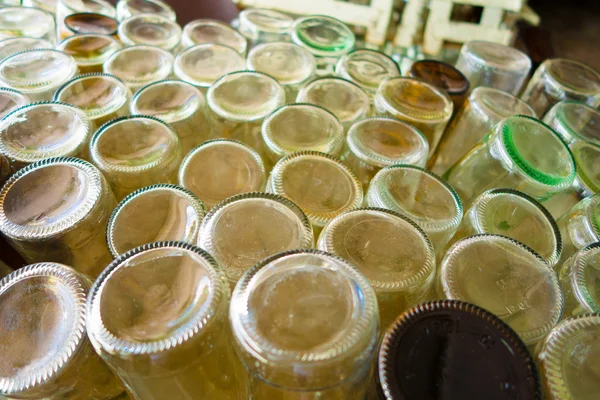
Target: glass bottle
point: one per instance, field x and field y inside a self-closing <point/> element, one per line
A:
<point x="379" y="142"/>
<point x="26" y="21"/>
<point x="10" y="100"/>
<point x="579" y="278"/>
<point x="21" y="43"/>
<point x="45" y="351"/>
<point x="368" y="237"/>
<point x="134" y="152"/>
<point x="64" y="8"/>
<point x="455" y="350"/>
<point x="127" y="8"/>
<point x="519" y="153"/>
<point x="305" y="324"/>
<point x="244" y="229"/>
<point x="580" y="227"/>
<point x="158" y="316"/>
<point x="202" y="64"/>
<point x="290" y="64"/>
<point x="176" y="216"/>
<point x="38" y="131"/>
<point x="506" y="278"/>
<point x="482" y="110"/>
<point x="568" y="359"/>
<point x="90" y="50"/>
<point x="150" y="29"/>
<point x="140" y="65"/>
<point x="422" y="105"/>
<point x="367" y="69"/>
<point x="222" y="168"/>
<point x="422" y="197"/>
<point x="102" y="97"/>
<point x="202" y="31"/>
<point x="494" y="65"/>
<point x="560" y="79"/>
<point x="38" y="72"/>
<point x="261" y="25"/>
<point x="179" y="104"/>
<point x="346" y="100"/>
<point x="56" y="210"/>
<point x="87" y="22"/>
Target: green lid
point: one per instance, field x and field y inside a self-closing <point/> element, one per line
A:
<point x="323" y="36"/>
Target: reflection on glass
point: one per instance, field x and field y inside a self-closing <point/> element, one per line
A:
<point x="25" y="21"/>
<point x="64" y="8"/>
<point x="261" y="25"/>
<point x="140" y="65"/>
<point x="87" y="22"/>
<point x="150" y="29"/>
<point x="10" y="100"/>
<point x="580" y="281"/>
<point x="90" y="51"/>
<point x="367" y="69"/>
<point x="203" y="31"/>
<point x="127" y="8"/>
<point x="18" y="44"/>
<point x="580" y="227"/>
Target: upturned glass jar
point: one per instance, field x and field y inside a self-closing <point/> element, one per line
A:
<point x="46" y="5"/>
<point x="102" y="97"/>
<point x="367" y="69"/>
<point x="379" y="142"/>
<point x="38" y="131"/>
<point x="158" y="316"/>
<point x="346" y="100"/>
<point x="580" y="281"/>
<point x="27" y="21"/>
<point x="202" y="31"/>
<point x="90" y="50"/>
<point x="368" y="237"/>
<point x="150" y="29"/>
<point x="21" y="43"/>
<point x="56" y="210"/>
<point x="261" y="25"/>
<point x="580" y="227"/>
<point x="422" y="105"/>
<point x="140" y="65"/>
<point x="519" y="153"/>
<point x="94" y="23"/>
<point x="494" y="65"/>
<point x="45" y="351"/>
<point x="136" y="151"/>
<point x="222" y="168"/>
<point x="305" y="324"/>
<point x="483" y="109"/>
<point x="64" y="8"/>
<point x="10" y="100"/>
<point x="127" y="8"/>
<point x="244" y="229"/>
<point x="38" y="72"/>
<point x="560" y="79"/>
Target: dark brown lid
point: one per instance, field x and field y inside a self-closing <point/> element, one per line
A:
<point x="441" y="75"/>
<point x="87" y="22"/>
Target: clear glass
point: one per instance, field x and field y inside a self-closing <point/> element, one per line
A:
<point x="290" y="64"/>
<point x="202" y="31"/>
<point x="418" y="103"/>
<point x="140" y="65"/>
<point x="368" y="237"/>
<point x="261" y="25"/>
<point x="26" y="21"/>
<point x="568" y="359"/>
<point x="45" y="351"/>
<point x="506" y="278"/>
<point x="87" y="22"/>
<point x="244" y="229"/>
<point x="38" y="131"/>
<point x="560" y="79"/>
<point x="176" y="216"/>
<point x="222" y="168"/>
<point x="10" y="100"/>
<point x="150" y="29"/>
<point x="519" y="153"/>
<point x="579" y="278"/>
<point x="346" y="100"/>
<point x="367" y="69"/>
<point x="494" y="65"/>
<point x="56" y="210"/>
<point x="312" y="336"/>
<point x="5" y="170"/>
<point x="127" y="8"/>
<point x="64" y="8"/>
<point x="379" y="142"/>
<point x="483" y="109"/>
<point x="202" y="64"/>
<point x="580" y="227"/>
<point x="46" y="5"/>
<point x="38" y="72"/>
<point x="90" y="51"/>
<point x="102" y="97"/>
<point x="166" y="333"/>
<point x="136" y="151"/>
<point x="18" y="44"/>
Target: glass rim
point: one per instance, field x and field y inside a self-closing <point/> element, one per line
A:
<point x="578" y="277"/>
<point x="244" y="20"/>
<point x="306" y="55"/>
<point x="85" y="13"/>
<point x="342" y="71"/>
<point x="183" y="75"/>
<point x="95" y="61"/>
<point x="560" y="118"/>
<point x="562" y="85"/>
<point x="152" y="18"/>
<point x="322" y="50"/>
<point x="517" y="64"/>
<point x="160" y="72"/>
<point x="163" y="117"/>
<point x="190" y="26"/>
<point x="14" y="91"/>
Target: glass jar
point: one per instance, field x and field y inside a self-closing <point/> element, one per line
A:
<point x="176" y="216"/>
<point x="202" y="31"/>
<point x="10" y="100"/>
<point x="568" y="359"/>
<point x="480" y="356"/>
<point x="222" y="168"/>
<point x="559" y="79"/>
<point x="483" y="109"/>
<point x="244" y="229"/>
<point x="64" y="8"/>
<point x="422" y="105"/>
<point x="102" y="97"/>
<point x="158" y="316"/>
<point x="579" y="278"/>
<point x="90" y="50"/>
<point x="507" y="278"/>
<point x="91" y="23"/>
<point x="346" y="100"/>
<point x="519" y="153"/>
<point x="127" y="8"/>
<point x="580" y="227"/>
<point x="311" y="336"/>
<point x="379" y="142"/>
<point x="368" y="237"/>
<point x="325" y="37"/>
<point x="261" y="25"/>
<point x="136" y="151"/>
<point x="494" y="65"/>
<point x="290" y="64"/>
<point x="140" y="65"/>
<point x="367" y="69"/>
<point x="21" y="43"/>
<point x="45" y="351"/>
<point x="56" y="210"/>
<point x="38" y="131"/>
<point x="422" y="197"/>
<point x="38" y="72"/>
<point x="151" y="29"/>
<point x="26" y="21"/>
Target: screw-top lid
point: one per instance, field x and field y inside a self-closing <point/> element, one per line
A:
<point x="169" y="100"/>
<point x="150" y="29"/>
<point x="18" y="44"/>
<point x="574" y="77"/>
<point x="257" y="21"/>
<point x="203" y="64"/>
<point x="367" y="68"/>
<point x="323" y="36"/>
<point x="203" y="31"/>
<point x="495" y="105"/>
<point x="584" y="277"/>
<point x="574" y="120"/>
<point x="494" y="55"/>
<point x="26" y="21"/>
<point x="93" y="6"/>
<point x="10" y="100"/>
<point x="88" y="22"/>
<point x="90" y="49"/>
<point x="140" y="65"/>
<point x="127" y="8"/>
<point x="440" y="74"/>
<point x="289" y="63"/>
